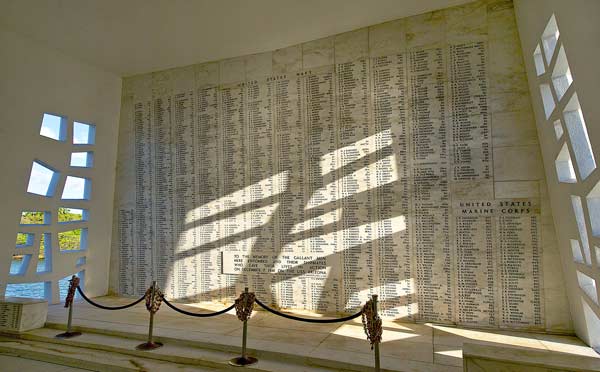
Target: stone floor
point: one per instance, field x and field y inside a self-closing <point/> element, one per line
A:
<point x="15" y="364"/>
<point x="416" y="346"/>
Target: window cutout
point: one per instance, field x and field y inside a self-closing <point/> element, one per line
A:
<point x="579" y="137"/>
<point x="564" y="166"/>
<point x="580" y="218"/>
<point x="69" y="215"/>
<point x="539" y="61"/>
<point x="547" y="99"/>
<point x="550" y="38"/>
<point x="558" y="129"/>
<point x="597" y="256"/>
<point x="576" y="249"/>
<point x="593" y="204"/>
<point x="28" y="290"/>
<point x="35" y="218"/>
<point x="42" y="180"/>
<point x="593" y="325"/>
<point x="84" y="134"/>
<point x="54" y="127"/>
<point x="80" y="261"/>
<point x="76" y="188"/>
<point x="588" y="285"/>
<point x="74" y="240"/>
<point x="561" y="76"/>
<point x="82" y="159"/>
<point x="24" y="240"/>
<point x="44" y="264"/>
<point x="19" y="264"/>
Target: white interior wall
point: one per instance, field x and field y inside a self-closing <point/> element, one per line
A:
<point x="36" y="79"/>
<point x="579" y="34"/>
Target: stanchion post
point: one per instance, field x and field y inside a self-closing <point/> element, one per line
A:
<point x="244" y="360"/>
<point x="150" y="345"/>
<point x="73" y="283"/>
<point x="376" y="345"/>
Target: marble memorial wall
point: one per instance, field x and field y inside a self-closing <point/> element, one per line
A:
<point x="380" y="161"/>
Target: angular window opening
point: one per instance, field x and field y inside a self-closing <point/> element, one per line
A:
<point x="564" y="166"/>
<point x="561" y="76"/>
<point x="24" y="240"/>
<point x="54" y="126"/>
<point x="84" y="134"/>
<point x="579" y="137"/>
<point x="547" y="99"/>
<point x="80" y="261"/>
<point x="583" y="237"/>
<point x="558" y="129"/>
<point x="588" y="285"/>
<point x="82" y="159"/>
<point x="73" y="240"/>
<point x="576" y="249"/>
<point x="539" y="61"/>
<point x="70" y="215"/>
<point x="19" y="264"/>
<point x="550" y="38"/>
<point x="44" y="264"/>
<point x="63" y="285"/>
<point x="42" y="180"/>
<point x="76" y="188"/>
<point x="35" y="218"/>
<point x="28" y="290"/>
<point x="593" y="203"/>
<point x="593" y="325"/>
<point x="597" y="256"/>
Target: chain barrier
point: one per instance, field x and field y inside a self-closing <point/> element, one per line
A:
<point x="200" y="315"/>
<point x="372" y="323"/>
<point x="244" y="305"/>
<point x="73" y="284"/>
<point x="334" y="320"/>
<point x="109" y="307"/>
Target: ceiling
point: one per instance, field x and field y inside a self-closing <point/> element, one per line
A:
<point x="129" y="37"/>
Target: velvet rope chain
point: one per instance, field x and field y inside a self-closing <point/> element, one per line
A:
<point x="108" y="307"/>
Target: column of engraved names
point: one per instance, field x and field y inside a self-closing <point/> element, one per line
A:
<point x="520" y="259"/>
<point x="143" y="263"/>
<point x="391" y="200"/>
<point x="323" y="207"/>
<point x="355" y="193"/>
<point x="185" y="195"/>
<point x="261" y="202"/>
<point x="163" y="216"/>
<point x="430" y="196"/>
<point x="234" y="179"/>
<point x="288" y="129"/>
<point x="471" y="140"/>
<point x="475" y="262"/>
<point x="127" y="256"/>
<point x="208" y="151"/>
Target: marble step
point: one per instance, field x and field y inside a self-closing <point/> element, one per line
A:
<point x="102" y="352"/>
<point x="89" y="359"/>
<point x="292" y="356"/>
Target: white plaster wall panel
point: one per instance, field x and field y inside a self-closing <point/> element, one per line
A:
<point x="578" y="30"/>
<point x="367" y="159"/>
<point x="38" y="80"/>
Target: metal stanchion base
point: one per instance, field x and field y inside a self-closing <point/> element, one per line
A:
<point x="241" y="361"/>
<point x="68" y="334"/>
<point x="149" y="346"/>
